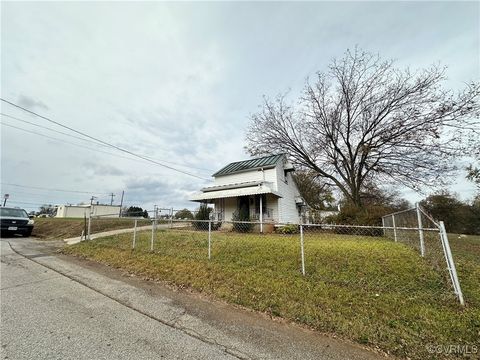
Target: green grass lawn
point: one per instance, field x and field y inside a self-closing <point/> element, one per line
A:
<point x="63" y="228"/>
<point x="366" y="289"/>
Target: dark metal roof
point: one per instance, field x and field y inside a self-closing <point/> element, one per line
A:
<point x="239" y="166"/>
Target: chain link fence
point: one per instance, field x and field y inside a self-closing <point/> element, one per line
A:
<point x="377" y="259"/>
<point x="417" y="229"/>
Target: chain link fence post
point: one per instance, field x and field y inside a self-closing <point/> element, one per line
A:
<point x="209" y="239"/>
<point x="394" y="228"/>
<point x="84" y="231"/>
<point x="153" y="233"/>
<point x="451" y="263"/>
<point x="302" y="250"/>
<point x="89" y="224"/>
<point x="134" y="234"/>
<point x="420" y="230"/>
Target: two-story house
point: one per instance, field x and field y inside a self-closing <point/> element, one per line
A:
<point x="264" y="186"/>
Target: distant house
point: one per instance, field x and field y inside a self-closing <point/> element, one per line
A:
<point x="79" y="211"/>
<point x="263" y="186"/>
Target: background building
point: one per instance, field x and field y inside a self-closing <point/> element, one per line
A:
<point x="79" y="211"/>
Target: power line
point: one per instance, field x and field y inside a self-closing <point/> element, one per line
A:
<point x="68" y="142"/>
<point x="87" y="140"/>
<point x="15" y="192"/>
<point x="50" y="129"/>
<point x="29" y="203"/>
<point x="50" y="189"/>
<point x="42" y="200"/>
<point x="52" y="202"/>
<point x="41" y="195"/>
<point x="103" y="196"/>
<point x="45" y="197"/>
<point x="101" y="141"/>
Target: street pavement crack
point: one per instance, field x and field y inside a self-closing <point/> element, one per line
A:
<point x="172" y="324"/>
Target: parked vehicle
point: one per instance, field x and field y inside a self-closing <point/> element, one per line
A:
<point x="15" y="221"/>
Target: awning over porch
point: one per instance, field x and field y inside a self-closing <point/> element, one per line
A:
<point x="220" y="194"/>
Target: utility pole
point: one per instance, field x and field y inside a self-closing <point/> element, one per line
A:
<point x="112" y="196"/>
<point x="91" y="212"/>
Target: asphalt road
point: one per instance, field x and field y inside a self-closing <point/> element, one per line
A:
<point x="53" y="307"/>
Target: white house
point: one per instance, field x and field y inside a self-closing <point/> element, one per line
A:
<point x="79" y="211"/>
<point x="264" y="186"/>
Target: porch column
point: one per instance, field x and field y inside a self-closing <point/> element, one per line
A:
<point x="261" y="213"/>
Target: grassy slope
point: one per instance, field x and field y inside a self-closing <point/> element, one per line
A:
<point x="369" y="290"/>
<point x="63" y="228"/>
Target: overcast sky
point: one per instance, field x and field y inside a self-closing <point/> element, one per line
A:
<point x="177" y="82"/>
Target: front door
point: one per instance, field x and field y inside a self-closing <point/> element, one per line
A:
<point x="244" y="205"/>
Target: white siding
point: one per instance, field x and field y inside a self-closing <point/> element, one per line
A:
<point x="255" y="175"/>
<point x="287" y="208"/>
<point x="66" y="211"/>
<point x="230" y="208"/>
<point x="106" y="210"/>
<point x="272" y="203"/>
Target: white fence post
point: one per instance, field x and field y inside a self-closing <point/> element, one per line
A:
<point x="89" y="226"/>
<point x="420" y="230"/>
<point x="153" y="234"/>
<point x="171" y="218"/>
<point x="302" y="249"/>
<point x="209" y="239"/>
<point x="394" y="228"/>
<point x="134" y="234"/>
<point x="261" y="214"/>
<point x="451" y="265"/>
<point x="383" y="226"/>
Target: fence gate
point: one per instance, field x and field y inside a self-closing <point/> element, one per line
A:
<point x="416" y="228"/>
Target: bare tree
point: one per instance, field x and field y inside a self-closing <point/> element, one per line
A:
<point x="366" y="121"/>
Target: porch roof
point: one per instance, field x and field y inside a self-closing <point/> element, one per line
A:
<point x="245" y="191"/>
<point x="235" y="185"/>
